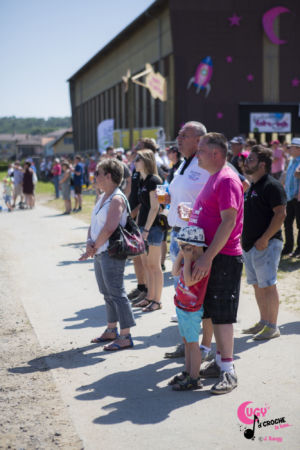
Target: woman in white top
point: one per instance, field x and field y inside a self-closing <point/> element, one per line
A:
<point x="110" y="211"/>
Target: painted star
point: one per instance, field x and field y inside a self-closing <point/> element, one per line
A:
<point x="220" y="115"/>
<point x="229" y="59"/>
<point x="234" y="20"/>
<point x="295" y="82"/>
<point x="250" y="77"/>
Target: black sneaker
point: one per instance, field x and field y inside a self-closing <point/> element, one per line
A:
<point x="286" y="251"/>
<point x="134" y="293"/>
<point x="227" y="382"/>
<point x="212" y="370"/>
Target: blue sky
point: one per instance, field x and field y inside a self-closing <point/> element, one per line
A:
<point x="44" y="42"/>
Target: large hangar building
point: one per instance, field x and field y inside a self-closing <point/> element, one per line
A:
<point x="226" y="63"/>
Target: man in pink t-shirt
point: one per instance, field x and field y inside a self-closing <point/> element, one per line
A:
<point x="219" y="211"/>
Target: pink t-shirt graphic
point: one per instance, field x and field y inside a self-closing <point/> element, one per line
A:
<point x="222" y="191"/>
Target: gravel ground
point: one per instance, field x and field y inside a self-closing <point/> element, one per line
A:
<point x="32" y="413"/>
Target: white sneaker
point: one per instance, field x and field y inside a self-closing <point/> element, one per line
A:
<point x="174" y="318"/>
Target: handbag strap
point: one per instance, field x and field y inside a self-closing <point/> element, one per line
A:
<point x="110" y="199"/>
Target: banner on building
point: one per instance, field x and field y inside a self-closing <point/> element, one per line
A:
<point x="267" y="122"/>
<point x="105" y="133"/>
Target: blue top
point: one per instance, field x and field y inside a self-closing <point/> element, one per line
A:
<point x="78" y="179"/>
<point x="291" y="183"/>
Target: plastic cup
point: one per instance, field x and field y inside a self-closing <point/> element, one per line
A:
<point x="161" y="190"/>
<point x="185" y="209"/>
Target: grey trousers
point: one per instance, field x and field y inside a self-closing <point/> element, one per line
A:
<point x="110" y="278"/>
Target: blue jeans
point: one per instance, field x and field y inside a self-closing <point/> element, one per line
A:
<point x="174" y="250"/>
<point x="56" y="185"/>
<point x="110" y="278"/>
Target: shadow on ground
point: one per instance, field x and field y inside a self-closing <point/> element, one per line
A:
<point x="68" y="359"/>
<point x="75" y="245"/>
<point x="289" y="264"/>
<point x="74" y="261"/>
<point x="140" y="396"/>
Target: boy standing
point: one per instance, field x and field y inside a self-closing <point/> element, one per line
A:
<point x="188" y="300"/>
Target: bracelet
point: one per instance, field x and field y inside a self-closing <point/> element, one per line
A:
<point x="147" y="231"/>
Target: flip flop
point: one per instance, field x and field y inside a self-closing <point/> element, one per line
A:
<point x="150" y="307"/>
<point x="102" y="338"/>
<point x="114" y="347"/>
<point x="141" y="304"/>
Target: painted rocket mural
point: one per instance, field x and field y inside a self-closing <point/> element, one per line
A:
<point x="202" y="76"/>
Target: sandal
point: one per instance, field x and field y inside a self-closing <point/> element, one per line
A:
<point x="177" y="378"/>
<point x="105" y="336"/>
<point x="141" y="303"/>
<point x="188" y="384"/>
<point x="152" y="306"/>
<point x="115" y="346"/>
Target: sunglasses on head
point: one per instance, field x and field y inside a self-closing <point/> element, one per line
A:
<point x="138" y="158"/>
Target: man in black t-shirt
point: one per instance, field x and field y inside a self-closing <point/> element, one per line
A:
<point x="264" y="213"/>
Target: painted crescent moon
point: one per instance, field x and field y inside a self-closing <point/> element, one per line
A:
<point x="241" y="413"/>
<point x="268" y="23"/>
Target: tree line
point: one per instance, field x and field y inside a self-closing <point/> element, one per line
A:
<point x="32" y="125"/>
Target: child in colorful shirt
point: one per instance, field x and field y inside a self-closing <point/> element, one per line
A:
<point x="8" y="187"/>
<point x="188" y="300"/>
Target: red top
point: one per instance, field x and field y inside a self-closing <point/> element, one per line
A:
<point x="190" y="298"/>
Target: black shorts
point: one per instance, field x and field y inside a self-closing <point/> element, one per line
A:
<point x="77" y="189"/>
<point x="223" y="290"/>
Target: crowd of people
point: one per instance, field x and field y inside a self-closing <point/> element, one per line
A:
<point x="223" y="203"/>
<point x="223" y="207"/>
<point x="18" y="185"/>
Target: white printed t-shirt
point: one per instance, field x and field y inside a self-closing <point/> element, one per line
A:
<point x="185" y="188"/>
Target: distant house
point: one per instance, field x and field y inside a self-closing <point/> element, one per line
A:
<point x="8" y="145"/>
<point x="31" y="146"/>
<point x="61" y="143"/>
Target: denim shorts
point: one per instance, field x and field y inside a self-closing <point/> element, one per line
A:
<point x="262" y="265"/>
<point x="223" y="290"/>
<point x="189" y="324"/>
<point x="155" y="235"/>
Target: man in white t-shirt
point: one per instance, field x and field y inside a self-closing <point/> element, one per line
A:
<point x="188" y="181"/>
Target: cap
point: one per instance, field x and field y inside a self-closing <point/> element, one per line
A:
<point x="244" y="153"/>
<point x="192" y="235"/>
<point x="120" y="150"/>
<point x="295" y="142"/>
<point x="237" y="140"/>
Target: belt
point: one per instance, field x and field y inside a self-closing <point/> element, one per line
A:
<point x="176" y="229"/>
